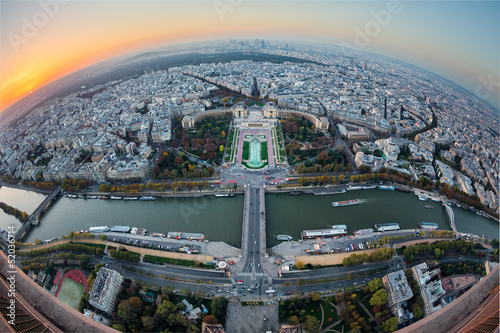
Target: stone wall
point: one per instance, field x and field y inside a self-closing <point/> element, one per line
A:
<point x="52" y="308"/>
<point x="443" y="320"/>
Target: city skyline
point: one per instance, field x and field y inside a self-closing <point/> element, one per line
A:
<point x="44" y="41"/>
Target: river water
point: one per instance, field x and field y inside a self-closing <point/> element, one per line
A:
<point x="220" y="219"/>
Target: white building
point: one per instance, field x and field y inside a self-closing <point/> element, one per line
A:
<point x="105" y="288"/>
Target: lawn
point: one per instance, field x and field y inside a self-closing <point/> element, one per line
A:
<point x="264" y="151"/>
<point x="312" y="309"/>
<point x="330" y="312"/>
<point x="246" y="149"/>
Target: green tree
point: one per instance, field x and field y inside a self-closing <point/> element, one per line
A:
<point x="375" y="285"/>
<point x="311" y="324"/>
<point x="379" y="298"/>
<point x="165" y="309"/>
<point x="219" y="307"/>
<point x="390" y="324"/>
<point x="127" y="312"/>
<point x="417" y="311"/>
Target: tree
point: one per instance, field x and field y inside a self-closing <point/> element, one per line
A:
<point x="210" y="319"/>
<point x="135" y="302"/>
<point x="315" y="296"/>
<point x="390" y="324"/>
<point x="193" y="329"/>
<point x="364" y="169"/>
<point x="165" y="309"/>
<point x="375" y="285"/>
<point x="323" y="156"/>
<point x="148" y="322"/>
<point x="417" y="311"/>
<point x="219" y="307"/>
<point x="127" y="312"/>
<point x="178" y="160"/>
<point x="311" y="324"/>
<point x="299" y="265"/>
<point x="379" y="298"/>
<point x="293" y="320"/>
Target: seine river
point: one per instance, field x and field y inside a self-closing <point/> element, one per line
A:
<point x="220" y="219"/>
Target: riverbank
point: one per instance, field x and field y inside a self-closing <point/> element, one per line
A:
<point x="430" y="240"/>
<point x="143" y="251"/>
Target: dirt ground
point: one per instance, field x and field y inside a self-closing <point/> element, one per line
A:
<point x="329" y="259"/>
<point x="143" y="251"/>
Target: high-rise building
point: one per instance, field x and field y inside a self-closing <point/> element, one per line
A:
<point x="365" y="65"/>
<point x="105" y="288"/>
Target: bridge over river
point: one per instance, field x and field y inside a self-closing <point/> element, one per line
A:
<point x="35" y="216"/>
<point x="451" y="217"/>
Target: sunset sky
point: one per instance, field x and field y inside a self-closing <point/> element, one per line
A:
<point x="45" y="40"/>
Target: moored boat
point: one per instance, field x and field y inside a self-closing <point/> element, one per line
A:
<point x="147" y="198"/>
<point x="386" y="188"/>
<point x="428" y="225"/>
<point x="387" y="226"/>
<point x="363" y="231"/>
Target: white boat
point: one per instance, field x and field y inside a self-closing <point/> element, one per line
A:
<point x="130" y="198"/>
<point x="386" y="188"/>
<point x="225" y="195"/>
<point x="353" y="188"/>
<point x="422" y="198"/>
<point x="428" y="225"/>
<point x="147" y="198"/>
<point x="387" y="226"/>
<point x="284" y="237"/>
<point x="345" y="203"/>
<point x="99" y="229"/>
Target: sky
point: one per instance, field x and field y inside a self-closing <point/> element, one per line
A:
<point x="44" y="40"/>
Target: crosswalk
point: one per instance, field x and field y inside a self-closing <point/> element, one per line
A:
<point x="254" y="303"/>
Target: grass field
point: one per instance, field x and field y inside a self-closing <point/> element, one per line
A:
<point x="246" y="149"/>
<point x="264" y="151"/>
<point x="71" y="292"/>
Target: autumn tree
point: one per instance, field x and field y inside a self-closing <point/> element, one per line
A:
<point x="210" y="319"/>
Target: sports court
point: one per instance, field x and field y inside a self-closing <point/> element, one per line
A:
<point x="71" y="288"/>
